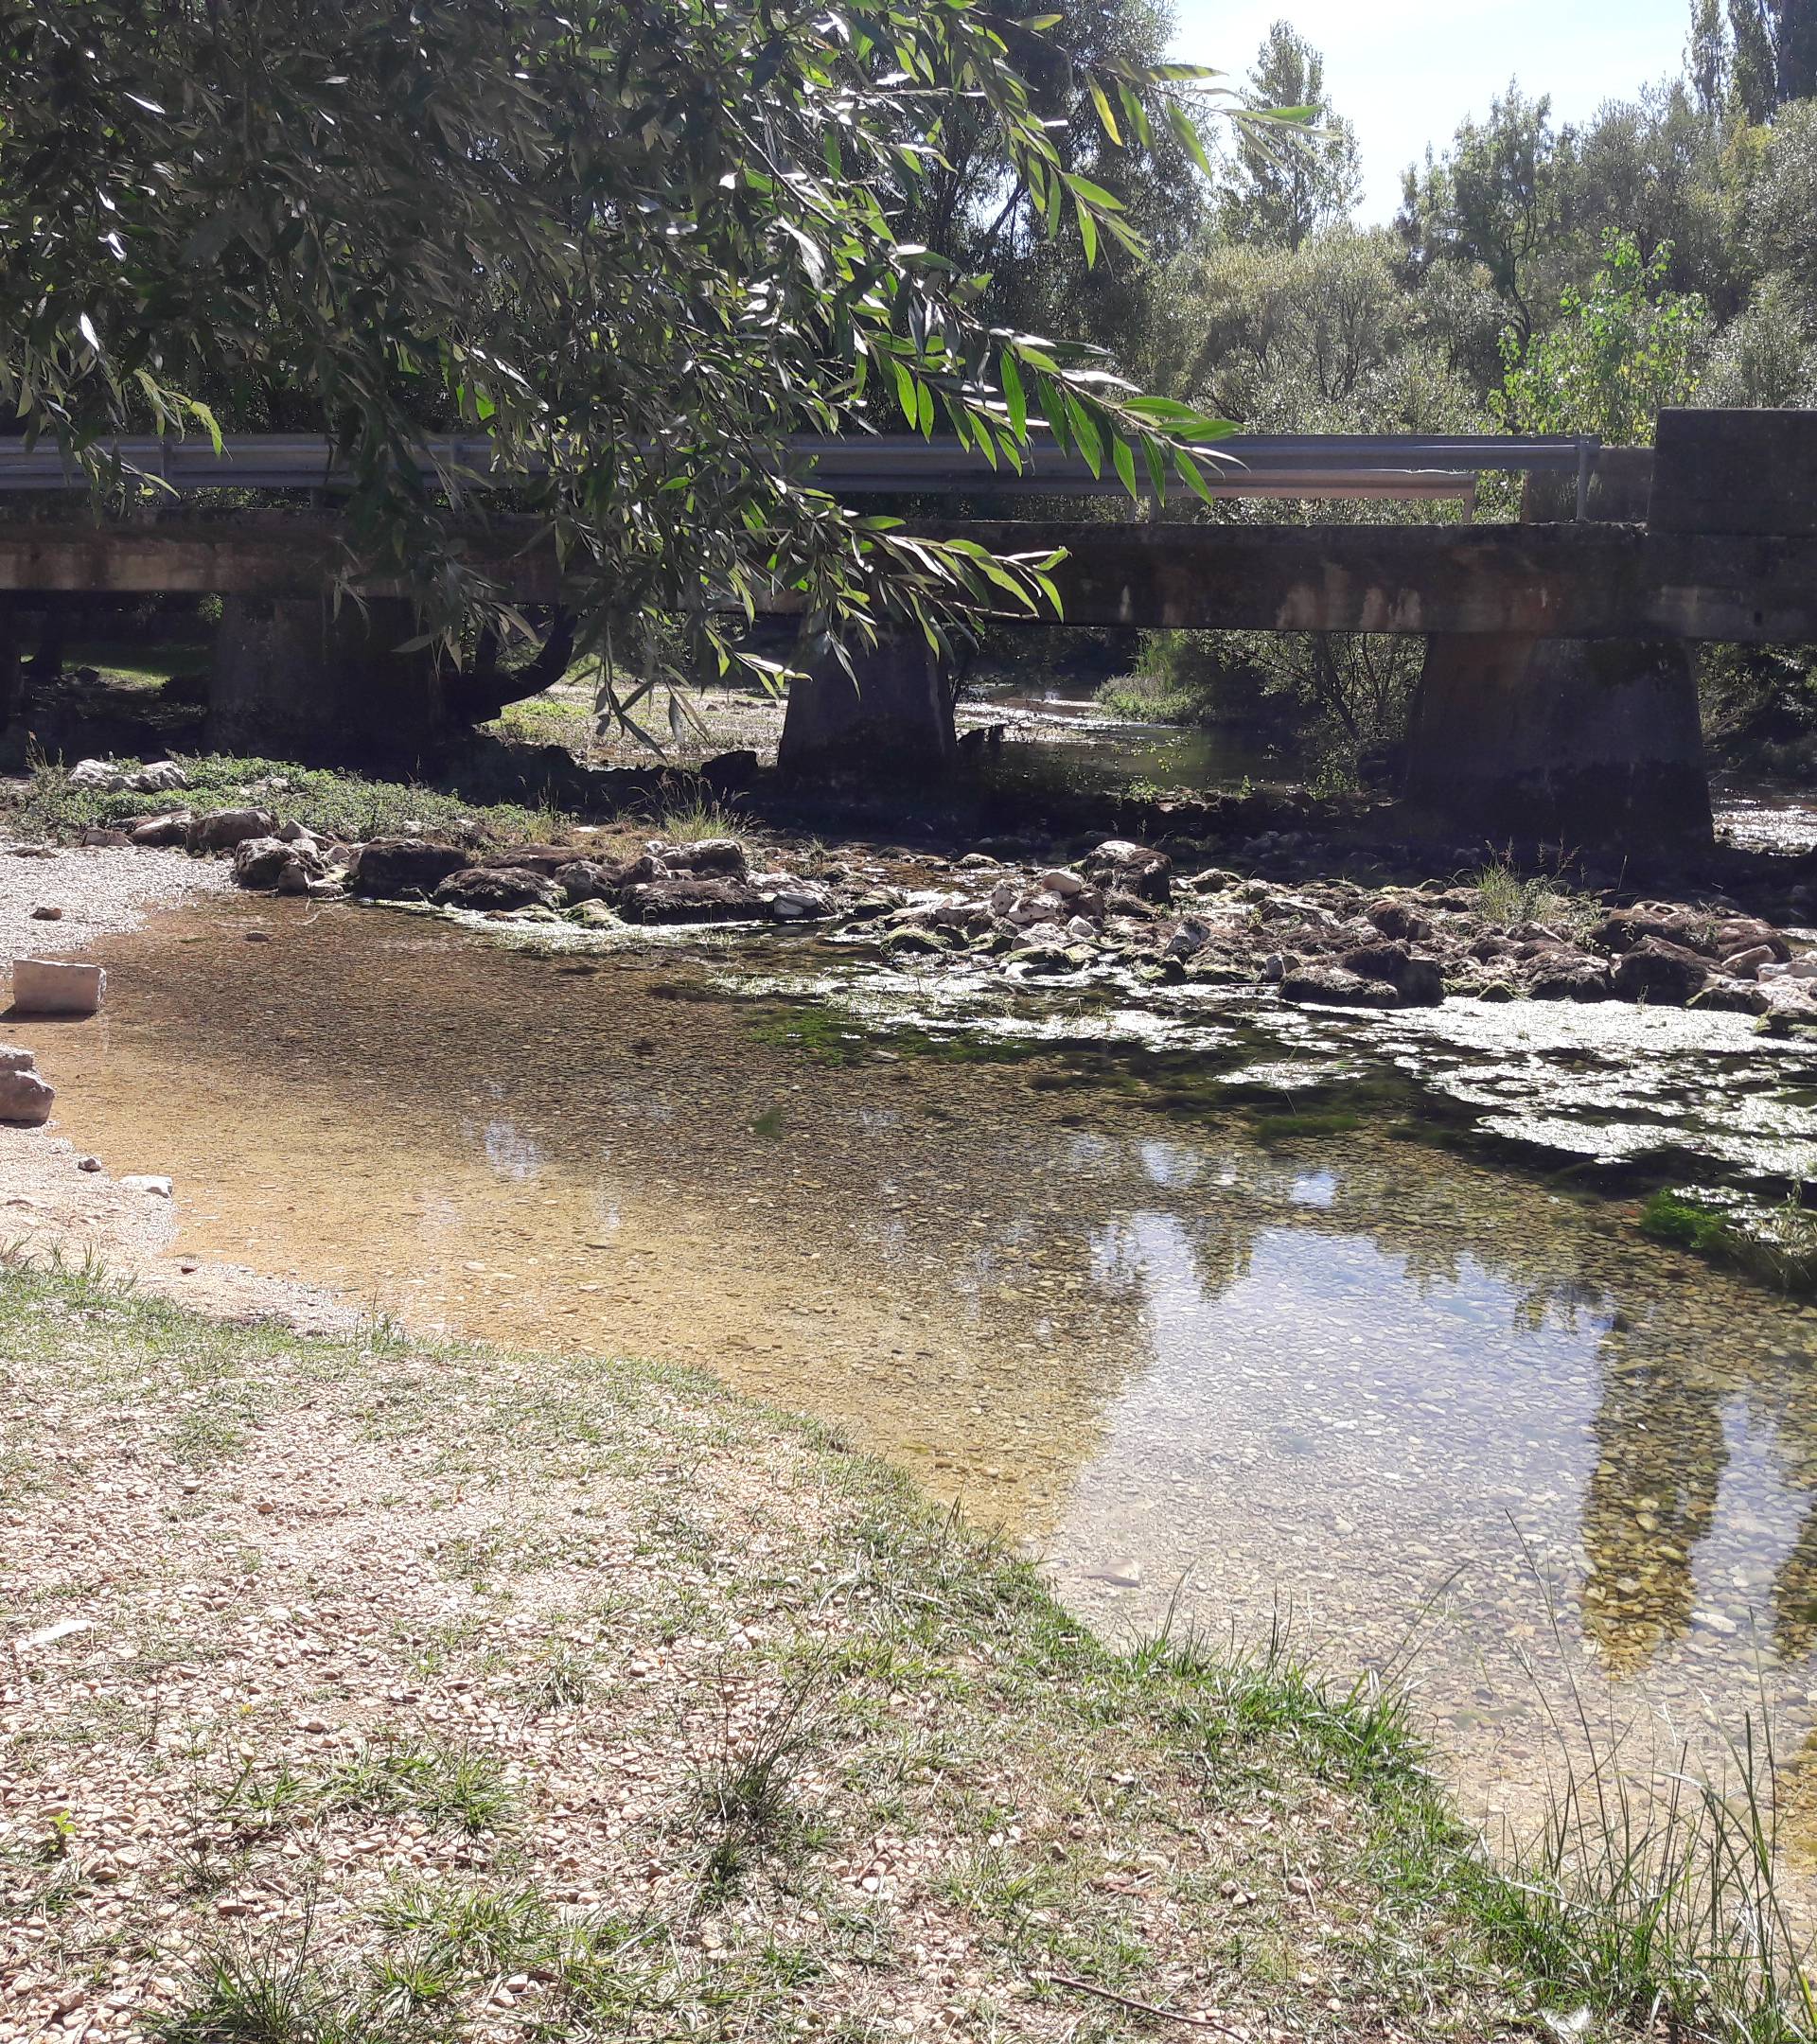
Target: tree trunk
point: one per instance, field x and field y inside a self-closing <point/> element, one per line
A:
<point x="896" y="722"/>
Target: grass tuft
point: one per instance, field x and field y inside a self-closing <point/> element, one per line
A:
<point x="1511" y="898"/>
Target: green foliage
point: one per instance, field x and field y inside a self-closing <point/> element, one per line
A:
<point x="1492" y="199"/>
<point x="1283" y="188"/>
<point x="638" y="247"/>
<point x="1148" y="158"/>
<point x="1618" y="353"/>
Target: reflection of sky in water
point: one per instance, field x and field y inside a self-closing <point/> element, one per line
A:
<point x="1320" y="1421"/>
<point x="511" y="1153"/>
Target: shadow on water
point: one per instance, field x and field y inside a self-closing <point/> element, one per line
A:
<point x="1056" y="738"/>
<point x="1191" y="1358"/>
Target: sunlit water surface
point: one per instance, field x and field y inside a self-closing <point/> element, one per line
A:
<point x="1446" y="1419"/>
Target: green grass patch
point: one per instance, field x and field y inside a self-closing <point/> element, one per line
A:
<point x="327" y="801"/>
<point x="131" y="660"/>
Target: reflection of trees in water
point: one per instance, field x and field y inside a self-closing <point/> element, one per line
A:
<point x="1795" y="1592"/>
<point x="1793" y="1595"/>
<point x="1652" y="1497"/>
<point x="1138" y="1260"/>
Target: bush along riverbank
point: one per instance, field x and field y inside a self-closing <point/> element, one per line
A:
<point x="367" y="1688"/>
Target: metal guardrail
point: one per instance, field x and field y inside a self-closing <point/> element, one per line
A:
<point x="1260" y="464"/>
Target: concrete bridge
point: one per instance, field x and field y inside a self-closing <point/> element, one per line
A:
<point x="1558" y="698"/>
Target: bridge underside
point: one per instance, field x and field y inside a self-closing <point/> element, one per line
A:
<point x="1557" y="701"/>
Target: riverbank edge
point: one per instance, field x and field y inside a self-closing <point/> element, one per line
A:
<point x="1227" y="1837"/>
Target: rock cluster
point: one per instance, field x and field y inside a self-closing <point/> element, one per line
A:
<point x="1333" y="942"/>
<point x="1118" y="906"/>
<point x="709" y="881"/>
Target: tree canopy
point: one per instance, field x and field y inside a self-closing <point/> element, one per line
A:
<point x="639" y="244"/>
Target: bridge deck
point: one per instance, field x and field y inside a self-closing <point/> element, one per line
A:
<point x="1559" y="581"/>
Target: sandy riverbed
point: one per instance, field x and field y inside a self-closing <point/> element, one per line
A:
<point x="50" y="1205"/>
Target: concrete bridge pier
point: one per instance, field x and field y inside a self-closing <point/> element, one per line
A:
<point x="295" y="680"/>
<point x="894" y="721"/>
<point x="1579" y="742"/>
<point x="1583" y="742"/>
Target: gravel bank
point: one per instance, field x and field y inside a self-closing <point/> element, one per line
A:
<point x="49" y="1206"/>
<point x="100" y="891"/>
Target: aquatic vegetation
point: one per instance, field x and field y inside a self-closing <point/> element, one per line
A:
<point x="1775" y="1240"/>
<point x="1668" y="1217"/>
<point x="1305" y="1122"/>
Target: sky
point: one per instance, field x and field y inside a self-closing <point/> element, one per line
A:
<point x="1405" y="72"/>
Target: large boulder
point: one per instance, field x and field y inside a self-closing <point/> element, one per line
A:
<point x="1419" y="981"/>
<point x="1561" y="974"/>
<point x="1121" y="866"/>
<point x="728" y="772"/>
<point x="1397" y="919"/>
<point x="685" y="898"/>
<point x="221" y="830"/>
<point x="1623" y="930"/>
<point x="1330" y="985"/>
<point x="25" y="1097"/>
<point x="399" y="869"/>
<point x="718" y="855"/>
<point x="589" y="880"/>
<point x="799" y="902"/>
<point x="1665" y="974"/>
<point x="493" y="887"/>
<point x="163" y="830"/>
<point x="273" y="862"/>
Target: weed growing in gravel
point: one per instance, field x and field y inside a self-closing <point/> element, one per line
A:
<point x="694" y="819"/>
<point x="1511" y="898"/>
<point x="461" y="1787"/>
<point x="744" y="1783"/>
<point x="565" y="1678"/>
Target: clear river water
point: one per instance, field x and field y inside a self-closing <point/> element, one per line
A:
<point x="1449" y="1419"/>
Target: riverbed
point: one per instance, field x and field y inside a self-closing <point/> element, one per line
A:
<point x="1440" y="1417"/>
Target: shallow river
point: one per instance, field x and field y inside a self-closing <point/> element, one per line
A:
<point x="1429" y="1408"/>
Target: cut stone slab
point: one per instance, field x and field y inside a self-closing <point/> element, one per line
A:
<point x="25" y="1097"/>
<point x="56" y="987"/>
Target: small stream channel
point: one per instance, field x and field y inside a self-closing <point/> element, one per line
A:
<point x="1099" y="1282"/>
